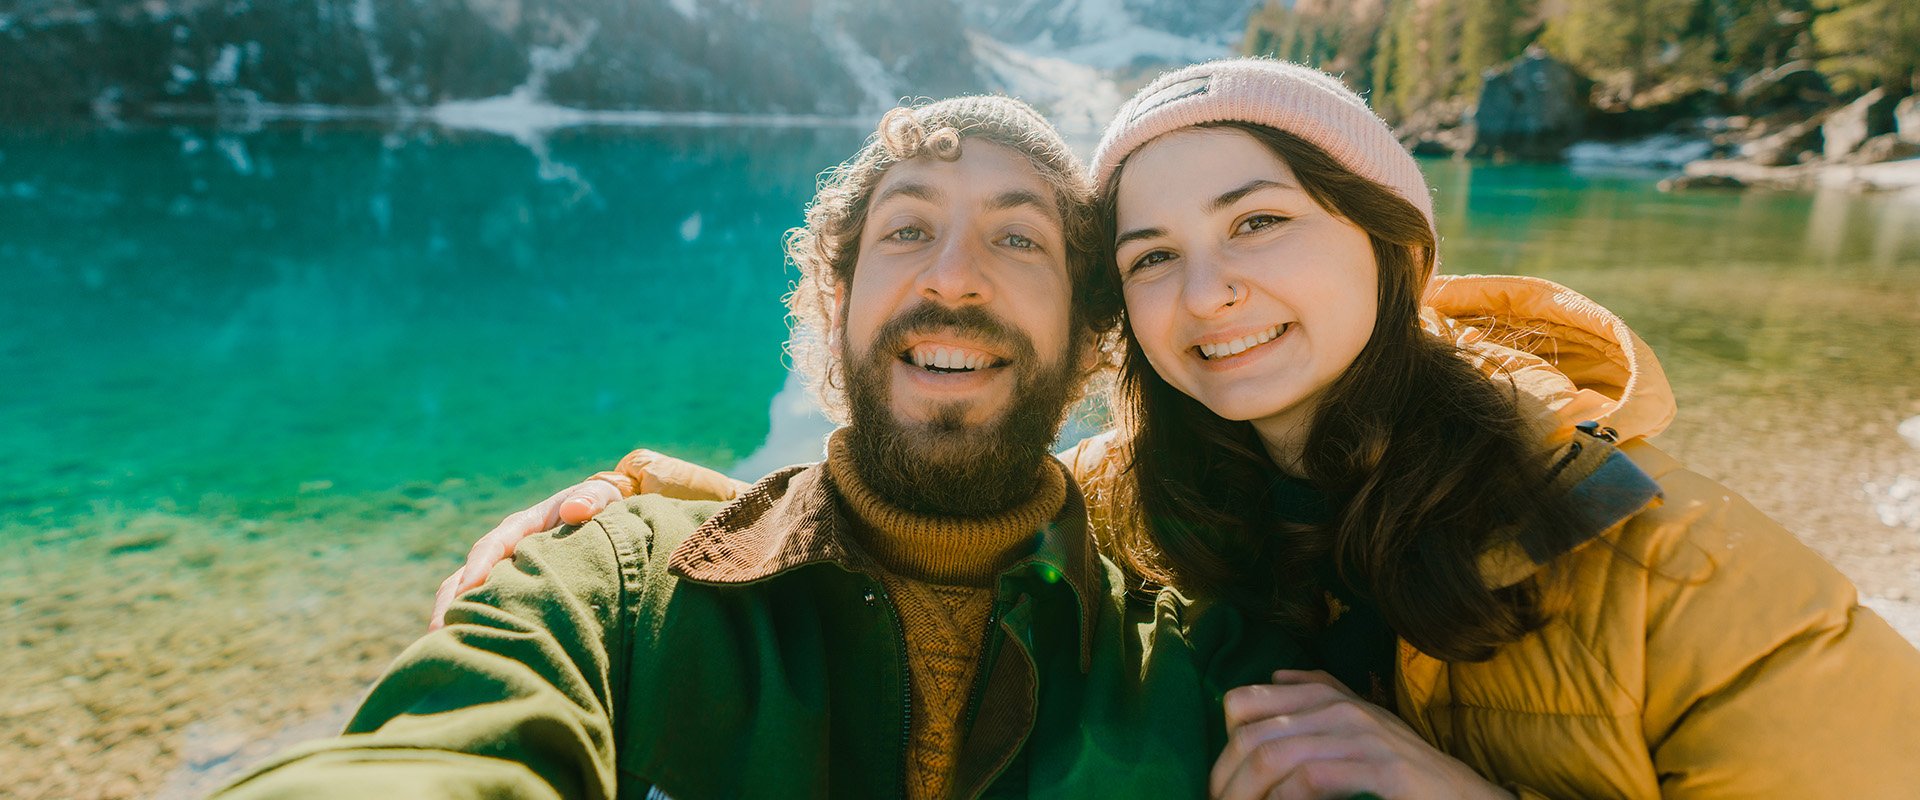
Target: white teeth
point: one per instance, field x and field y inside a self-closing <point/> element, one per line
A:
<point x="1240" y="345"/>
<point x="948" y="358"/>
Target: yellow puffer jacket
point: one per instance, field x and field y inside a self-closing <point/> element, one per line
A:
<point x="1702" y="651"/>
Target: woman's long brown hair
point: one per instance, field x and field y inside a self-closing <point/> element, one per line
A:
<point x="1427" y="461"/>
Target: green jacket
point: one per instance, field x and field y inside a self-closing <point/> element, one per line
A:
<point x="747" y="650"/>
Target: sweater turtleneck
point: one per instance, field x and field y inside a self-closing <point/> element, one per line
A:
<point x="939" y="572"/>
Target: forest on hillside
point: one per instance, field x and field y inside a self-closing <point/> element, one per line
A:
<point x="1411" y="54"/>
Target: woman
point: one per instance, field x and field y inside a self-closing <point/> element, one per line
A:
<point x="1443" y="484"/>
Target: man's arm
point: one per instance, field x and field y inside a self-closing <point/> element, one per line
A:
<point x="515" y="697"/>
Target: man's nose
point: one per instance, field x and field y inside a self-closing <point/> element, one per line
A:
<point x="957" y="274"/>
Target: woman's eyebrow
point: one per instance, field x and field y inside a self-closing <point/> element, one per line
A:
<point x="1234" y="195"/>
<point x="1138" y="233"/>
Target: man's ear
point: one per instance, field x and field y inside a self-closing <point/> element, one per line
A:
<point x="836" y="320"/>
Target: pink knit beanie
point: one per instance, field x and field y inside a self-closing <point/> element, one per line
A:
<point x="1300" y="100"/>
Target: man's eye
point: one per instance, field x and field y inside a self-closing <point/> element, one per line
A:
<point x="907" y="234"/>
<point x="1257" y="222"/>
<point x="1022" y="242"/>
<point x="1150" y="258"/>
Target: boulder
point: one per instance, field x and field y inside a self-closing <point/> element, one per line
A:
<point x="1885" y="147"/>
<point x="1856" y="122"/>
<point x="1531" y="107"/>
<point x="1906" y="119"/>
<point x="1787" y="146"/>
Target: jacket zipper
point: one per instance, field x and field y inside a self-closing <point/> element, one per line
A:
<point x="979" y="687"/>
<point x="906" y="687"/>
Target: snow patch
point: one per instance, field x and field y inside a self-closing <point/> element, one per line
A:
<point x="1911" y="430"/>
<point x="226" y="66"/>
<point x="796" y="433"/>
<point x="1135" y="45"/>
<point x="369" y="28"/>
<point x="1662" y="150"/>
<point x="1077" y="97"/>
<point x="867" y="72"/>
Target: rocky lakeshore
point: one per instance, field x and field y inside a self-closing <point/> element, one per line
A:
<point x="155" y="655"/>
<point x="151" y="653"/>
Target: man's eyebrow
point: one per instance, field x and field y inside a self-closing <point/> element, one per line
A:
<point x="1137" y="233"/>
<point x="1021" y="197"/>
<point x="1234" y="195"/>
<point x="918" y="191"/>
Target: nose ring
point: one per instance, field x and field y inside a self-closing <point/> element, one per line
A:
<point x="1237" y="295"/>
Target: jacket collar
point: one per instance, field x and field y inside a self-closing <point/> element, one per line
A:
<point x="793" y="518"/>
<point x="1606" y="488"/>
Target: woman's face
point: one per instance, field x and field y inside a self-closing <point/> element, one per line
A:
<point x="1242" y="291"/>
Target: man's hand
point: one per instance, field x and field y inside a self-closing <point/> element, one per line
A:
<point x="573" y="505"/>
<point x="1305" y="737"/>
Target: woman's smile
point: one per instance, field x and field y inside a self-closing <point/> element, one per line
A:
<point x="1231" y="348"/>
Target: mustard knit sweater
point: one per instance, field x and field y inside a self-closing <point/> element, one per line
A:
<point x="939" y="573"/>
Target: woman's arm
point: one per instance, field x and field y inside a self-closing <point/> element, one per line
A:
<point x="640" y="472"/>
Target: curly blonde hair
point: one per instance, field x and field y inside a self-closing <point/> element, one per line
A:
<point x="826" y="247"/>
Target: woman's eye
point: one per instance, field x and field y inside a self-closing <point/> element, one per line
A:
<point x="1257" y="222"/>
<point x="1022" y="242"/>
<point x="907" y="234"/>
<point x="1150" y="258"/>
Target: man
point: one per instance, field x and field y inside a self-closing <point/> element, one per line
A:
<point x="922" y="614"/>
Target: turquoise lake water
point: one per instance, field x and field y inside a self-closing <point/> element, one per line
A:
<point x="196" y="316"/>
<point x="259" y="389"/>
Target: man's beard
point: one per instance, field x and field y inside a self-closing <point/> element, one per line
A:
<point x="944" y="466"/>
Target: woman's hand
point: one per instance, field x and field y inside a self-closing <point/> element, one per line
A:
<point x="640" y="472"/>
<point x="573" y="505"/>
<point x="1305" y="737"/>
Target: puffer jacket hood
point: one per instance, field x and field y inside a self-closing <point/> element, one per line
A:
<point x="1578" y="359"/>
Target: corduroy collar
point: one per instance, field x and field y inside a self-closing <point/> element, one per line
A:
<point x="794" y="517"/>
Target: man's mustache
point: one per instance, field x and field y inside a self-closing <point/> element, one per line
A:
<point x="974" y="322"/>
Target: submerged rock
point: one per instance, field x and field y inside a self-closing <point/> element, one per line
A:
<point x="1685" y="182"/>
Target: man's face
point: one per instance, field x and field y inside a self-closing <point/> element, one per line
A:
<point x="956" y="331"/>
